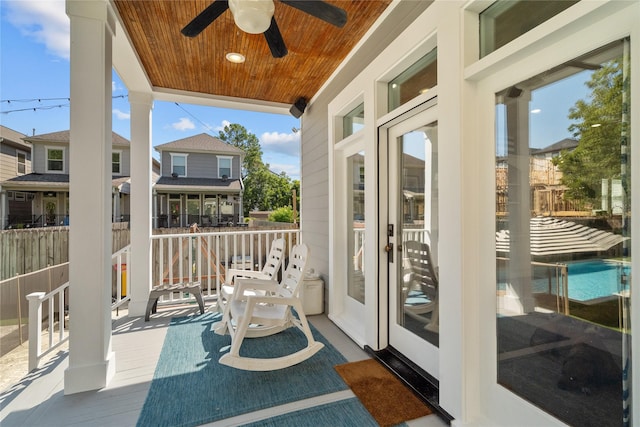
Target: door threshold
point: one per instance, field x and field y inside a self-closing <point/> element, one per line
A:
<point x="419" y="381"/>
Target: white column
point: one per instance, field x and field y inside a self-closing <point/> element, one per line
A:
<point x="91" y="360"/>
<point x="141" y="207"/>
<point x="519" y="296"/>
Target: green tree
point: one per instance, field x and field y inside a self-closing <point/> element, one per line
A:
<point x="283" y="214"/>
<point x="597" y="125"/>
<point x="263" y="189"/>
<point x="238" y="136"/>
<point x="266" y="190"/>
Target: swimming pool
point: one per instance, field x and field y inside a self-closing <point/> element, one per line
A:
<point x="595" y="278"/>
<point x="588" y="280"/>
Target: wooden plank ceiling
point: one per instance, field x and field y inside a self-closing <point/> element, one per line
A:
<point x="198" y="64"/>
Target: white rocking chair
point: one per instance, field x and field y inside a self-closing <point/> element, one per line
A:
<point x="424" y="277"/>
<point x="253" y="315"/>
<point x="269" y="272"/>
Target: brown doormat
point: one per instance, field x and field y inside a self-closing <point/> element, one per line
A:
<point x="388" y="400"/>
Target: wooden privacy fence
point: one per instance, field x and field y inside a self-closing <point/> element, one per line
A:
<point x="27" y="250"/>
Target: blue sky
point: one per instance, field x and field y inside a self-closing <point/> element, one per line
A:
<point x="34" y="77"/>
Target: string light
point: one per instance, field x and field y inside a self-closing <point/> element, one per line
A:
<point x="42" y="107"/>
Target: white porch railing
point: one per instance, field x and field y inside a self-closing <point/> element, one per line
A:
<point x="202" y="257"/>
<point x="56" y="302"/>
<point x="55" y="340"/>
<point x="205" y="257"/>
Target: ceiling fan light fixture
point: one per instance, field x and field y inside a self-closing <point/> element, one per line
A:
<point x="252" y="16"/>
<point x="235" y="57"/>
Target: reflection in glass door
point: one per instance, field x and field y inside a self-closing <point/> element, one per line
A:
<point x="355" y="217"/>
<point x="413" y="239"/>
<point x="563" y="260"/>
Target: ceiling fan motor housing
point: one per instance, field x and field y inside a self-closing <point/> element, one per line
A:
<point x="252" y="16"/>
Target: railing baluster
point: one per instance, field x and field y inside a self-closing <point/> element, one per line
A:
<point x="170" y="254"/>
<point x="61" y="319"/>
<point x="52" y="318"/>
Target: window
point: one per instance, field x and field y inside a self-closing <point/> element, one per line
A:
<point x="504" y="21"/>
<point x="414" y="81"/>
<point x="353" y="121"/>
<point x="21" y="158"/>
<point x="563" y="258"/>
<point x="179" y="164"/>
<point x="116" y="162"/>
<point x="55" y="160"/>
<point x="224" y="167"/>
<point x="356" y="224"/>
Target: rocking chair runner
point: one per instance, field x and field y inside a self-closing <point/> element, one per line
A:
<point x="250" y="316"/>
<point x="269" y="272"/>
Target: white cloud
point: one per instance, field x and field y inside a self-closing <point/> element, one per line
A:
<point x="45" y="22"/>
<point x="121" y="114"/>
<point x="292" y="171"/>
<point x="183" y="124"/>
<point x="222" y="125"/>
<point x="284" y="143"/>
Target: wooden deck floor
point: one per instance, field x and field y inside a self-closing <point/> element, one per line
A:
<point x="38" y="398"/>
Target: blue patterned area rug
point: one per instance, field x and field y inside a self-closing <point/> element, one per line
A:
<point x="190" y="387"/>
<point x="344" y="413"/>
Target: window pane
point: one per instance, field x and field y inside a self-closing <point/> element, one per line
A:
<point x="414" y="81"/>
<point x="115" y="162"/>
<point x="563" y="260"/>
<point x="22" y="162"/>
<point x="179" y="165"/>
<point x="353" y="121"/>
<point x="355" y="242"/>
<point x="418" y="306"/>
<point x="224" y="167"/>
<point x="504" y="21"/>
<point x="55" y="160"/>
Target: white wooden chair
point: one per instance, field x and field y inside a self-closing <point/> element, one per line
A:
<point x="251" y="316"/>
<point x="269" y="272"/>
<point x="423" y="278"/>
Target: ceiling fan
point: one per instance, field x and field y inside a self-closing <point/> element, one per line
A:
<point x="256" y="16"/>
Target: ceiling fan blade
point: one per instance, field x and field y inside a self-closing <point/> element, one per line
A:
<point x="275" y="41"/>
<point x="321" y="10"/>
<point x="205" y="18"/>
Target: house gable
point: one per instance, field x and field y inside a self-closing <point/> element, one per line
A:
<point x="202" y="154"/>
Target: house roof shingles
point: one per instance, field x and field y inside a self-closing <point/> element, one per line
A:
<point x="64" y="136"/>
<point x="199" y="143"/>
<point x="14" y="138"/>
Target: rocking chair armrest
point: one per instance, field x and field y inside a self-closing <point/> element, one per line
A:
<point x="271" y="299"/>
<point x="233" y="272"/>
<point x="251" y="284"/>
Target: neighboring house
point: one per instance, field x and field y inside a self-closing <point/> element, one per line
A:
<point x="547" y="190"/>
<point x="15" y="161"/>
<point x="200" y="182"/>
<point x="46" y="188"/>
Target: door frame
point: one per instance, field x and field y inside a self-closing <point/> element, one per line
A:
<point x="427" y="112"/>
